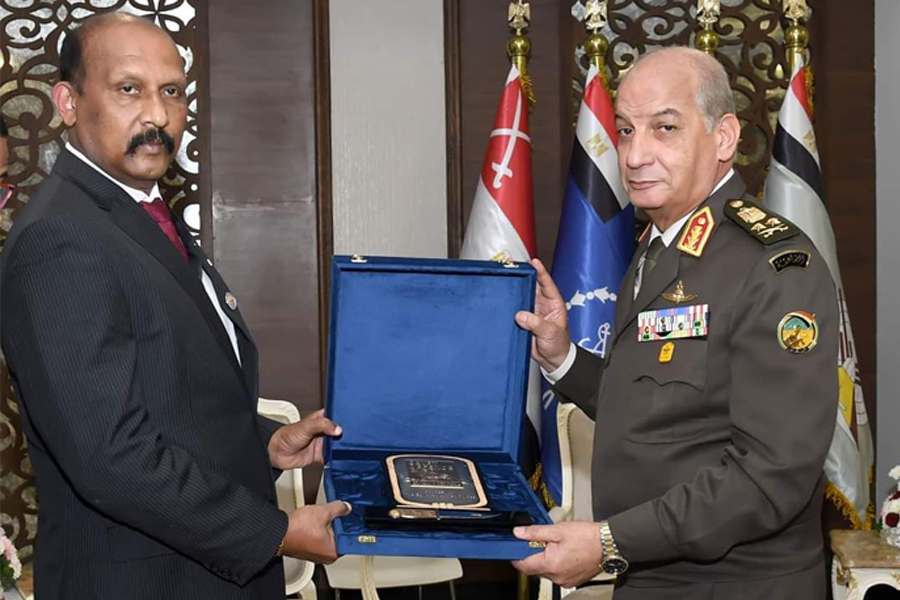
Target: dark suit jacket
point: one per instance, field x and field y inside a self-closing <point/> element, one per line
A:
<point x="709" y="467"/>
<point x="152" y="471"/>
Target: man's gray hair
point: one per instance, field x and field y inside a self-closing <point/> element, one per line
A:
<point x="714" y="96"/>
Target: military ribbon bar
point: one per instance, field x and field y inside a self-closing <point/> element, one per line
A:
<point x="673" y="323"/>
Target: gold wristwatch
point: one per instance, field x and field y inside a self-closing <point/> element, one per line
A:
<point x="613" y="563"/>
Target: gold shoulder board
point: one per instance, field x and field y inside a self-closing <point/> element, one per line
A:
<point x="763" y="225"/>
<point x="696" y="232"/>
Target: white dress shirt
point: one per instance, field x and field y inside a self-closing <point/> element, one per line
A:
<point x="668" y="236"/>
<point x="140" y="196"/>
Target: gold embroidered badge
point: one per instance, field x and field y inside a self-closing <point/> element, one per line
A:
<point x="697" y="232"/>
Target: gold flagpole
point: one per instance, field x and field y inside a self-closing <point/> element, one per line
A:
<point x="708" y="12"/>
<point x="596" y="46"/>
<point x="519" y="46"/>
<point x="796" y="40"/>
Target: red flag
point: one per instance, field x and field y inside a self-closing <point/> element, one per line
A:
<point x="502" y="218"/>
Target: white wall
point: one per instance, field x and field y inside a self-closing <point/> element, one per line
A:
<point x="387" y="127"/>
<point x="887" y="152"/>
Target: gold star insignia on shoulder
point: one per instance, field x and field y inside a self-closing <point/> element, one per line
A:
<point x="763" y="225"/>
<point x="678" y="296"/>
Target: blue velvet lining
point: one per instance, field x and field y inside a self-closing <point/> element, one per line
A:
<point x="365" y="483"/>
<point x="426" y="356"/>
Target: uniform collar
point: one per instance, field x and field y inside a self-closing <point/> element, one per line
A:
<point x="669" y="235"/>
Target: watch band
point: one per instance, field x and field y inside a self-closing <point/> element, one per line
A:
<point x="607" y="540"/>
<point x="613" y="563"/>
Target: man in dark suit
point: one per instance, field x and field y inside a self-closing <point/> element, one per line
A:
<point x="710" y="438"/>
<point x="136" y="375"/>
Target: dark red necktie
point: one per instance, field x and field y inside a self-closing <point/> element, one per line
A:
<point x="159" y="212"/>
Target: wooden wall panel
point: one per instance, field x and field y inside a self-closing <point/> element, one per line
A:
<point x="263" y="185"/>
<point x="843" y="39"/>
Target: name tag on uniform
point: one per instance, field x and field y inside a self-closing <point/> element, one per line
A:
<point x="673" y="323"/>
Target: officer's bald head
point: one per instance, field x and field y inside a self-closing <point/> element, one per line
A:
<point x="714" y="96"/>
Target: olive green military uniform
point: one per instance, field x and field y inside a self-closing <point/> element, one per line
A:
<point x="708" y="455"/>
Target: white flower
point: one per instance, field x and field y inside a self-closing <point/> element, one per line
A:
<point x="9" y="552"/>
<point x="895" y="473"/>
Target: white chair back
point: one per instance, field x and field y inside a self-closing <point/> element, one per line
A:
<point x="577" y="429"/>
<point x="298" y="573"/>
<point x="576" y="449"/>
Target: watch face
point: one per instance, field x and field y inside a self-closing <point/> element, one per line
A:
<point x="614" y="565"/>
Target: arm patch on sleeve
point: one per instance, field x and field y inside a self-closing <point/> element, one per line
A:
<point x="789" y="258"/>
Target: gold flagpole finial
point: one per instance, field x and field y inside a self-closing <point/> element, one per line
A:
<point x="795" y="10"/>
<point x="519" y="46"/>
<point x="796" y="38"/>
<point x="519" y="16"/>
<point x="708" y="12"/>
<point x="596" y="45"/>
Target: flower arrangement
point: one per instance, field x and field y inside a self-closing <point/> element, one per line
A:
<point x="890" y="513"/>
<point x="10" y="567"/>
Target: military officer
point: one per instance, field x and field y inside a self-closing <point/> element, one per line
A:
<point x="710" y="437"/>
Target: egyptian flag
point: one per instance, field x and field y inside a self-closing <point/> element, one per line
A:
<point x="594" y="247"/>
<point x="794" y="189"/>
<point x="502" y="219"/>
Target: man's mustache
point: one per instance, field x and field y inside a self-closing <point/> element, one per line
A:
<point x="151" y="136"/>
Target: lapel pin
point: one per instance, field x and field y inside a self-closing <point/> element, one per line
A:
<point x="678" y="296"/>
<point x="230" y="300"/>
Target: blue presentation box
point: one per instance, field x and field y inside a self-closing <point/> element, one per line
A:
<point x="424" y="357"/>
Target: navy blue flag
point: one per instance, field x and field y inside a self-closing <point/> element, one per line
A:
<point x="594" y="247"/>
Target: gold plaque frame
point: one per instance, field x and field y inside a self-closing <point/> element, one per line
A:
<point x="482" y="503"/>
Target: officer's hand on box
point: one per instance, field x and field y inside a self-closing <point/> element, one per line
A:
<point x="548" y="322"/>
<point x="572" y="556"/>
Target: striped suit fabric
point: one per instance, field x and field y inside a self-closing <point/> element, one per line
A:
<point x="152" y="473"/>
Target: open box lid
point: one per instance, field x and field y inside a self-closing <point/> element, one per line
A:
<point x="424" y="356"/>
